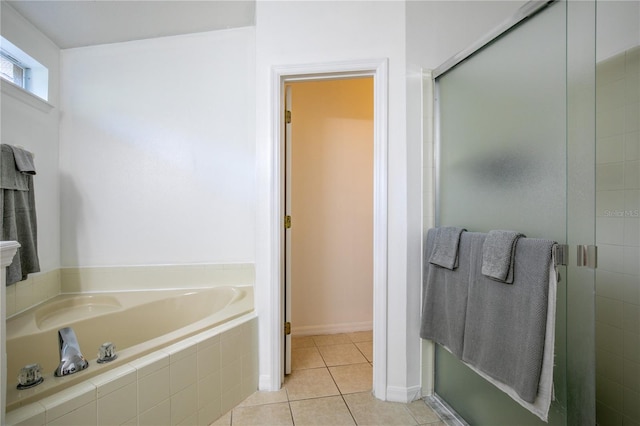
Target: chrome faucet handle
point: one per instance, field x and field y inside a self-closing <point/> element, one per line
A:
<point x="107" y="352"/>
<point x="30" y="376"/>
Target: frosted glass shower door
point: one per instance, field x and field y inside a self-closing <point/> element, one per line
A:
<point x="618" y="214"/>
<point x="504" y="162"/>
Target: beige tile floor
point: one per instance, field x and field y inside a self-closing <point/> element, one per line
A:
<point x="330" y="384"/>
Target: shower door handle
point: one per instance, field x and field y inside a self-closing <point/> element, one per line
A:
<point x="588" y="256"/>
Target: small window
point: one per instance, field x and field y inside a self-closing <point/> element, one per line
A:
<point x="11" y="69"/>
<point x="23" y="70"/>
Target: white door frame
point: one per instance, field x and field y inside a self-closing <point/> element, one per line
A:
<point x="379" y="70"/>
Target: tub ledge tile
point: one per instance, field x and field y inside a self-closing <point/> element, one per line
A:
<point x="68" y="400"/>
<point x="114" y="379"/>
<point x="182" y="349"/>
<point x="150" y="363"/>
<point x="32" y="415"/>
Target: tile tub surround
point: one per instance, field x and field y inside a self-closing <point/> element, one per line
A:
<point x="193" y="382"/>
<point x="154" y="277"/>
<point x="138" y="323"/>
<point x="37" y="288"/>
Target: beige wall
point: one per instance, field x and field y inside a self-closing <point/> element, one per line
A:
<point x="332" y="206"/>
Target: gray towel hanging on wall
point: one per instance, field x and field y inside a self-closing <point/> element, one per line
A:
<point x="17" y="211"/>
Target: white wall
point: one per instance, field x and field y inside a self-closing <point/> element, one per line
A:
<point x="437" y="30"/>
<point x="37" y="131"/>
<point x="314" y="32"/>
<point x="331" y="206"/>
<point x="157" y="160"/>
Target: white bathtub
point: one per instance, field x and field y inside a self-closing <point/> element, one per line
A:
<point x="161" y="327"/>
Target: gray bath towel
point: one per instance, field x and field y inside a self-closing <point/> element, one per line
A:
<point x="505" y="325"/>
<point x="10" y="176"/>
<point x="18" y="211"/>
<point x="540" y="407"/>
<point x="445" y="249"/>
<point x="498" y="253"/>
<point x="24" y="160"/>
<point x="18" y="215"/>
<point x="444" y="296"/>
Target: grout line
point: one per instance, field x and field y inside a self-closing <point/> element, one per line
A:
<point x="406" y="407"/>
<point x="355" y="422"/>
<point x="324" y="361"/>
<point x="293" y="420"/>
<point x="340" y="393"/>
<point x="358" y="347"/>
<point x="286" y="391"/>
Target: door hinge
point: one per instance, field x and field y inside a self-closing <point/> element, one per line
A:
<point x="287" y="116"/>
<point x="287" y="222"/>
<point x="287" y="328"/>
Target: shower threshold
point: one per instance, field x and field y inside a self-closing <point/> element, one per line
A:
<point x="444" y="410"/>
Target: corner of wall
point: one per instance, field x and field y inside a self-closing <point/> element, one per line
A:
<point x="36" y="289"/>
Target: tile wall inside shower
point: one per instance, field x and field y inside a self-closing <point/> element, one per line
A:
<point x="618" y="239"/>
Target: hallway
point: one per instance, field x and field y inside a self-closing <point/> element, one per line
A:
<point x="330" y="384"/>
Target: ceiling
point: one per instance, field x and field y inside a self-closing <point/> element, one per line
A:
<point x="77" y="23"/>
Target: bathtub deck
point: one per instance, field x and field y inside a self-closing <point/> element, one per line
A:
<point x="192" y="381"/>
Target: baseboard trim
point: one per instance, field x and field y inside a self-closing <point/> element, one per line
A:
<point x="404" y="395"/>
<point x="313" y="330"/>
<point x="265" y="383"/>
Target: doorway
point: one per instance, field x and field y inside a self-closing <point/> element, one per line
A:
<point x="329" y="239"/>
<point x="281" y="76"/>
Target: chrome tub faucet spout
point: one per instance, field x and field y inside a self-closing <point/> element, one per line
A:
<point x="71" y="359"/>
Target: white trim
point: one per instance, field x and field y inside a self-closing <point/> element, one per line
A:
<point x="314" y="330"/>
<point x="379" y="70"/>
<point x="265" y="383"/>
<point x="402" y="394"/>
<point x="428" y="358"/>
<point x="8" y="250"/>
<point x="10" y="89"/>
<point x="427" y="348"/>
